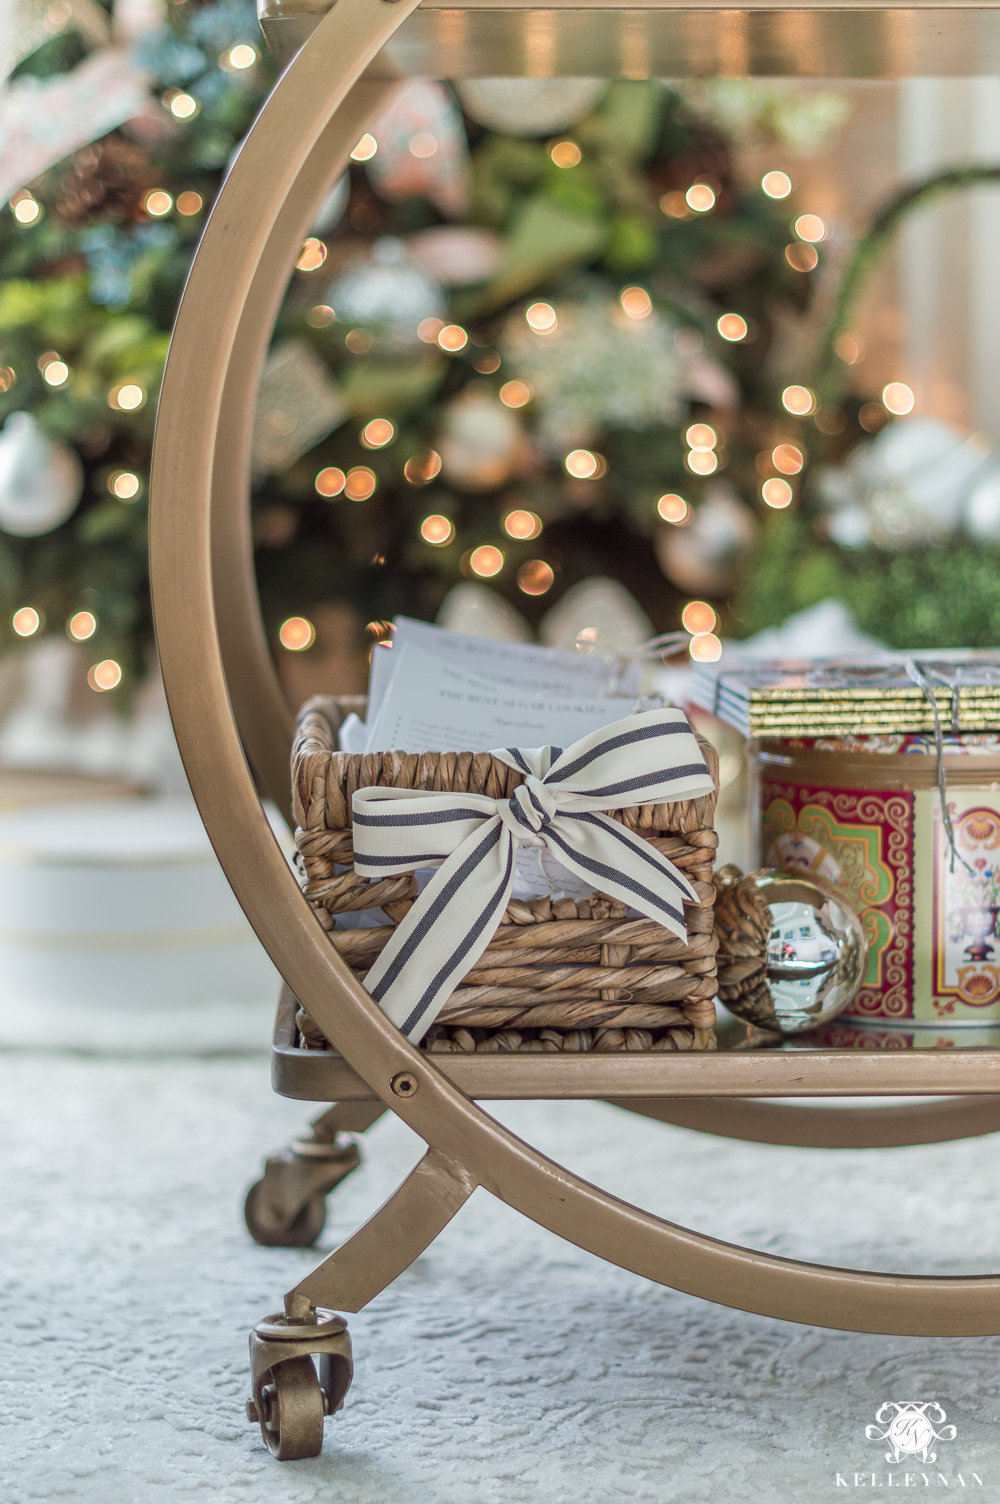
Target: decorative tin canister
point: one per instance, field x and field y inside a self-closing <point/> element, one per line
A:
<point x="865" y="814"/>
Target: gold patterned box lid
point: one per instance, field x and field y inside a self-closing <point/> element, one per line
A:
<point x="885" y="692"/>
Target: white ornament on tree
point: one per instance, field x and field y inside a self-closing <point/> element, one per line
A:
<point x="480" y="441"/>
<point x="41" y="480"/>
<point x="982" y="507"/>
<point x="529" y="106"/>
<point x="482" y="612"/>
<point x="390" y="295"/>
<point x="908" y="487"/>
<point x="703" y="557"/>
<point x="601" y="608"/>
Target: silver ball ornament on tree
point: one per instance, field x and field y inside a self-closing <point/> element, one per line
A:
<point x="529" y="106"/>
<point x="390" y="295"/>
<point x="480" y="440"/>
<point x="41" y="480"/>
<point x="792" y="950"/>
<point x="703" y="556"/>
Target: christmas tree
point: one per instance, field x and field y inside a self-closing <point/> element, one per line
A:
<point x="530" y="340"/>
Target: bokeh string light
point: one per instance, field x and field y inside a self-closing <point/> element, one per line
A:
<point x="311" y="256"/>
<point x="422" y="468"/>
<point x="105" y="675"/>
<point x="702" y="461"/>
<point x="365" y="149"/>
<point x="565" y="153"/>
<point x="776" y="492"/>
<point x="330" y="482"/>
<point x="636" y="302"/>
<point x="128" y="397"/>
<point x="182" y="106"/>
<point x="55" y="371"/>
<point x="802" y="257"/>
<point x="697" y="617"/>
<point x="732" y="327"/>
<point x="515" y="393"/>
<point x="157" y="203"/>
<point x="799" y="401"/>
<point x="452" y="338"/>
<point x="541" y="317"/>
<point x="701" y="436"/>
<point x="522" y="525"/>
<point x="788" y="458"/>
<point x="377" y="433"/>
<point x="486" y="560"/>
<point x="81" y="626"/>
<point x="296" y="634"/>
<point x="810" y="227"/>
<point x="776" y="184"/>
<point x="535" y="577"/>
<point x="898" y="399"/>
<point x="675" y="205"/>
<point x="437" y="530"/>
<point x="124" y="484"/>
<point x="673" y="508"/>
<point x="700" y="197"/>
<point x="320" y="316"/>
<point x="583" y="464"/>
<point x="26" y="621"/>
<point x="705" y="647"/>
<point x="360" y="483"/>
<point x="25" y="207"/>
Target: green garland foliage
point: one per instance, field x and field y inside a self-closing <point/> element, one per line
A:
<point x="921" y="598"/>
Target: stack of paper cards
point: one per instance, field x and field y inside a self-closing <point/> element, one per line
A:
<point x="435" y="690"/>
<point x="874" y="695"/>
<point x="440" y="691"/>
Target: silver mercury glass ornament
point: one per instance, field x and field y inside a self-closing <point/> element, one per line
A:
<point x="792" y="950"/>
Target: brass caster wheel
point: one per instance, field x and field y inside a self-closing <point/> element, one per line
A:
<point x="291" y="1410"/>
<point x="300" y="1371"/>
<point x="268" y="1226"/>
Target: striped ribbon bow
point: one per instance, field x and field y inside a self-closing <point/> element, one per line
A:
<point x="651" y="758"/>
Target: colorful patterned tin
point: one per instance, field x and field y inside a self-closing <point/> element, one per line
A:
<point x="864" y="812"/>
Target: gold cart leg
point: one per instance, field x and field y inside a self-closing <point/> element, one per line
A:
<point x="390" y="1240"/>
<point x="824" y="1127"/>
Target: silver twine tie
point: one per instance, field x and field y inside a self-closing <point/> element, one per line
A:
<point x="652" y="758"/>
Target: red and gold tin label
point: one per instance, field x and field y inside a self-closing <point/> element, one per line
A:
<point x="865" y="815"/>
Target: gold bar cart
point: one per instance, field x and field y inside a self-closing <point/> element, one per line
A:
<point x="343" y="64"/>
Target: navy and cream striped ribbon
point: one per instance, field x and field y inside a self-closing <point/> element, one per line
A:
<point x="651" y="758"/>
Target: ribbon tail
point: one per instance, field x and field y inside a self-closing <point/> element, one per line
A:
<point x="614" y="861"/>
<point x="446" y="930"/>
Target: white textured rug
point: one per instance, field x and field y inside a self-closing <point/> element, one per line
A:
<point x="504" y="1366"/>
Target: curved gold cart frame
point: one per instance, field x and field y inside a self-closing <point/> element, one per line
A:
<point x="343" y="65"/>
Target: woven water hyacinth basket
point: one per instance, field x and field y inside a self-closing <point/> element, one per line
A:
<point x="559" y="974"/>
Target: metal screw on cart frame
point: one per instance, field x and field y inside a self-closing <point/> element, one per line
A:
<point x="405" y="1084"/>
